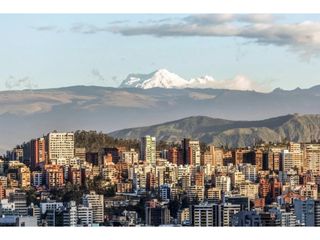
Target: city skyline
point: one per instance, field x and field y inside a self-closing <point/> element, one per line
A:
<point x="168" y="119"/>
<point x="187" y="184"/>
<point x="268" y="51"/>
<point x="159" y="120"/>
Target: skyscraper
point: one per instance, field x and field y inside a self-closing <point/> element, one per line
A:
<point x="228" y="211"/>
<point x="312" y="157"/>
<point x="305" y="212"/>
<point x="157" y="214"/>
<point x="60" y="145"/>
<point x="37" y="152"/>
<point x="97" y="203"/>
<point x="54" y="176"/>
<point x="206" y="215"/>
<point x="19" y="199"/>
<point x="148" y="149"/>
<point x="223" y="183"/>
<point x="292" y="158"/>
<point x="191" y="152"/>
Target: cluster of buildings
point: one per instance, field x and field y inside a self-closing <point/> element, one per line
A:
<point x="181" y="185"/>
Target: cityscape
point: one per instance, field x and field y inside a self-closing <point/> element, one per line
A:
<point x="159" y="120"/>
<point x="55" y="181"/>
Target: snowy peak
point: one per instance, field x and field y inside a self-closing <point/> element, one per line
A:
<point x="161" y="78"/>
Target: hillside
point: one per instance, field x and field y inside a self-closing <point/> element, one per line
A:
<point x="303" y="128"/>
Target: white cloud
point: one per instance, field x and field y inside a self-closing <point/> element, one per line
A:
<point x="239" y="82"/>
<point x="303" y="37"/>
<point x="224" y="18"/>
<point x="19" y="83"/>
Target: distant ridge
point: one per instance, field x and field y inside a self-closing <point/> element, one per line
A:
<point x="26" y="114"/>
<point x="215" y="131"/>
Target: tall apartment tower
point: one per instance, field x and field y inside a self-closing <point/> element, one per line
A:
<point x="95" y="201"/>
<point x="291" y="160"/>
<point x="311" y="154"/>
<point x="228" y="211"/>
<point x="148" y="149"/>
<point x="194" y="153"/>
<point x="157" y="215"/>
<point x="60" y="145"/>
<point x="19" y="198"/>
<point x="206" y="215"/>
<point x="191" y="152"/>
<point x="38" y="152"/>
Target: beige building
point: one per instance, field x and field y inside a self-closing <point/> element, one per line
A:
<point x="184" y="216"/>
<point x="130" y="157"/>
<point x="310" y="190"/>
<point x="60" y="145"/>
<point x="249" y="190"/>
<point x="194" y="152"/>
<point x="237" y="178"/>
<point x="291" y="160"/>
<point x="148" y="149"/>
<point x="214" y="194"/>
<point x="195" y="193"/>
<point x="311" y="156"/>
<point x="24" y="177"/>
<point x="217" y="156"/>
<point x="223" y="183"/>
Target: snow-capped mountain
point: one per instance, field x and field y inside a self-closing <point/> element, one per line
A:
<point x="162" y="78"/>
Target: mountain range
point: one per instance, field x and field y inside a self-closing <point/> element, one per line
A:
<point x="219" y="132"/>
<point x="26" y="114"/>
<point x="162" y="78"/>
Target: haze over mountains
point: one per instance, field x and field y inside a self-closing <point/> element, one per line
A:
<point x="27" y="114"/>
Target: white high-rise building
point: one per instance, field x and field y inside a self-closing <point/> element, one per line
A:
<point x="291" y="160"/>
<point x="96" y="201"/>
<point x="130" y="157"/>
<point x="60" y="146"/>
<point x="50" y="205"/>
<point x="206" y="215"/>
<point x="148" y="149"/>
<point x="223" y="183"/>
<point x="288" y="219"/>
<point x="249" y="171"/>
<point x="227" y="213"/>
<point x="70" y="217"/>
<point x="85" y="215"/>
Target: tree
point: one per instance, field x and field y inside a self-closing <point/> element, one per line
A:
<point x="32" y="196"/>
<point x="184" y="202"/>
<point x="174" y="207"/>
<point x="93" y="141"/>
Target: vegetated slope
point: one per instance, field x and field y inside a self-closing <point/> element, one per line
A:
<point x="303" y="128"/>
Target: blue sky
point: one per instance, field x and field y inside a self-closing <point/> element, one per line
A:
<point x="56" y="50"/>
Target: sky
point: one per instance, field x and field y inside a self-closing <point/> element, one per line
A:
<point x="55" y="50"/>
